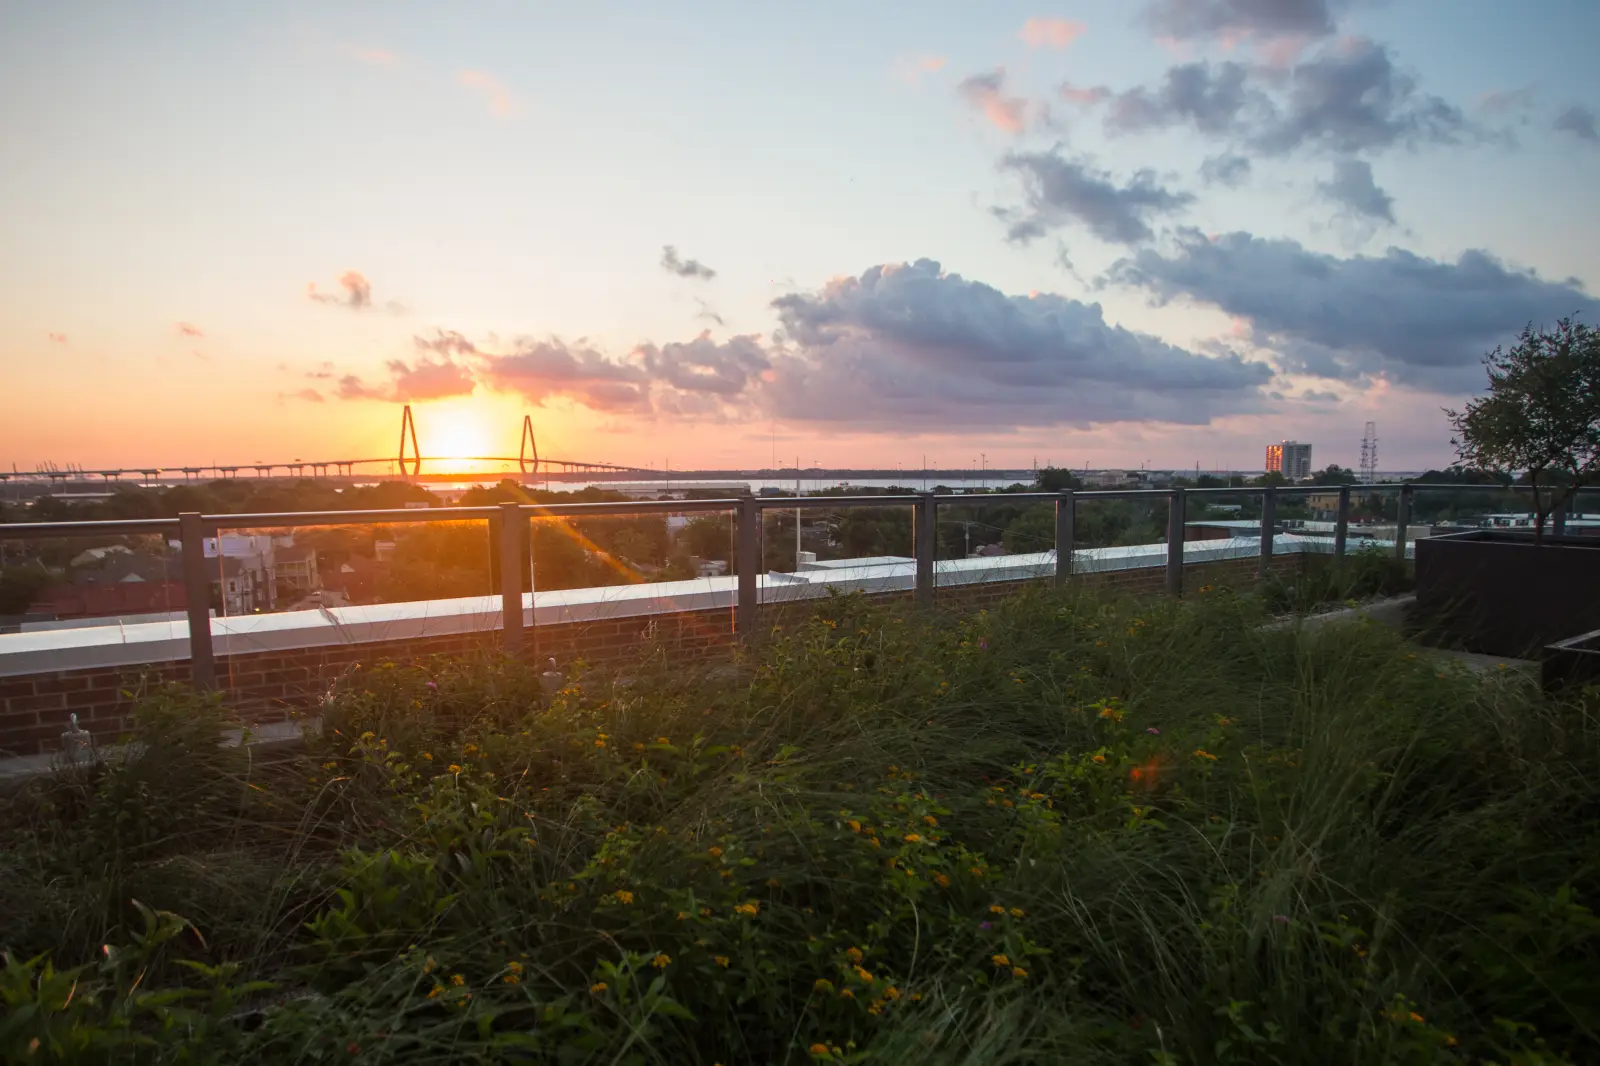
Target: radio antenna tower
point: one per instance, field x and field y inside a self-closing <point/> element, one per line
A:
<point x="1369" y="455"/>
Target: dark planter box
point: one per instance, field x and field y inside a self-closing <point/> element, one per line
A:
<point x="1572" y="663"/>
<point x="1495" y="592"/>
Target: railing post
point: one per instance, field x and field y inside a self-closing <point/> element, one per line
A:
<point x="1065" y="517"/>
<point x="748" y="560"/>
<point x="513" y="549"/>
<point x="1341" y="524"/>
<point x="1176" y="511"/>
<point x="1401" y="521"/>
<point x="197" y="600"/>
<point x="1558" y="517"/>
<point x="926" y="546"/>
<point x="1269" y="522"/>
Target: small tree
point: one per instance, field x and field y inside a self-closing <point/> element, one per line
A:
<point x="1541" y="415"/>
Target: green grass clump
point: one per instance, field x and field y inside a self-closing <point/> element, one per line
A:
<point x="1068" y="830"/>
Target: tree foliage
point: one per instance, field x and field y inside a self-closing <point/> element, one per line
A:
<point x="1541" y="415"/>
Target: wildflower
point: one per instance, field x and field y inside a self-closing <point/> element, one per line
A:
<point x="330" y="766"/>
<point x="845" y="993"/>
<point x="1451" y="1041"/>
<point x="913" y="838"/>
<point x="1201" y="753"/>
<point x="714" y="851"/>
<point x="749" y="909"/>
<point x="818" y="1049"/>
<point x="599" y="743"/>
<point x="597" y="988"/>
<point x="433" y="684"/>
<point x="427" y="967"/>
<point x="995" y="908"/>
<point x="514" y="966"/>
<point x="1205" y="588"/>
<point x="470" y="749"/>
<point x="928" y="819"/>
<point x="985" y="926"/>
<point x="1017" y="912"/>
<point x="661" y="961"/>
<point x="1018" y="971"/>
<point x="1101" y="759"/>
<point x="1281" y="919"/>
<point x="1416" y="1017"/>
<point x="638" y="747"/>
<point x="623" y="896"/>
<point x="511" y="979"/>
<point x="855" y="826"/>
<point x="434" y="991"/>
<point x="662" y="740"/>
<point x="822" y="984"/>
<point x="454" y="768"/>
<point x="977" y="871"/>
<point x="863" y="973"/>
<point x="1000" y="960"/>
<point x="428" y="755"/>
<point x="941" y="880"/>
<point x="1152" y="730"/>
<point x="1111" y="713"/>
<point x="853" y="954"/>
<point x="457" y="980"/>
<point x="875" y="1007"/>
<point x="916" y="997"/>
<point x="720" y="960"/>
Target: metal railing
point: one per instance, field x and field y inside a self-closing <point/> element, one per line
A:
<point x="509" y="524"/>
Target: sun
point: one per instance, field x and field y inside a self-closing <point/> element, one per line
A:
<point x="454" y="432"/>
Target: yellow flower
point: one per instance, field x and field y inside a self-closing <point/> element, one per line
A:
<point x="891" y="992"/>
<point x="941" y="880"/>
<point x="977" y="871"/>
<point x="720" y="960"/>
<point x="863" y="973"/>
<point x="1018" y="971"/>
<point x="623" y="896"/>
<point x="714" y="851"/>
<point x="597" y="988"/>
<point x="705" y="912"/>
<point x="913" y="838"/>
<point x="853" y="954"/>
<point x="822" y="984"/>
<point x="995" y="908"/>
<point x="661" y="961"/>
<point x="749" y="909"/>
<point x="514" y="966"/>
<point x="427" y="967"/>
<point x="875" y="1007"/>
<point x="457" y="980"/>
<point x="454" y="768"/>
<point x="845" y="993"/>
<point x="638" y="747"/>
<point x="1017" y="912"/>
<point x="470" y="749"/>
<point x="1451" y="1041"/>
<point x="1000" y="960"/>
<point x="428" y="755"/>
<point x="599" y="743"/>
<point x="1416" y="1017"/>
<point x="855" y="826"/>
<point x="1101" y="759"/>
<point x="511" y="979"/>
<point x="662" y="740"/>
<point x="434" y="991"/>
<point x="916" y="997"/>
<point x="928" y="819"/>
<point x="1111" y="713"/>
<point x="818" y="1049"/>
<point x="1201" y="753"/>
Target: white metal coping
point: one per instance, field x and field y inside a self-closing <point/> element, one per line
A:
<point x="91" y="647"/>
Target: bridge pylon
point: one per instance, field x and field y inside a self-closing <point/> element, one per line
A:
<point x="408" y="426"/>
<point x="526" y="462"/>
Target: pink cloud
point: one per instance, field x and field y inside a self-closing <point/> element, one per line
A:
<point x="189" y="329"/>
<point x="986" y="92"/>
<point x="497" y="96"/>
<point x="59" y="338"/>
<point x="1051" y="32"/>
<point x="1093" y="95"/>
<point x="911" y="70"/>
<point x="357" y="292"/>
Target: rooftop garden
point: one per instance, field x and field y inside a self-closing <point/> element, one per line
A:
<point x="1070" y="829"/>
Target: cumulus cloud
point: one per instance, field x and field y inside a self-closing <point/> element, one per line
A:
<point x="704" y="365"/>
<point x="908" y="346"/>
<point x="987" y="94"/>
<point x="684" y="268"/>
<point x="1580" y="122"/>
<point x="1227" y="169"/>
<point x="357" y="292"/>
<point x="499" y="99"/>
<point x="1351" y="98"/>
<point x="1348" y="97"/>
<point x="1412" y="320"/>
<point x="188" y="329"/>
<point x="425" y="379"/>
<point x="446" y="342"/>
<point x="541" y="371"/>
<point x="1236" y="20"/>
<point x="1058" y="190"/>
<point x="1352" y="189"/>
<point x="1213" y="99"/>
<point x="1051" y="32"/>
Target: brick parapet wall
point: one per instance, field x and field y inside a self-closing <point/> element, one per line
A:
<point x="271" y="686"/>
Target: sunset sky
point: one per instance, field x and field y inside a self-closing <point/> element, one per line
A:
<point x="1097" y="232"/>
